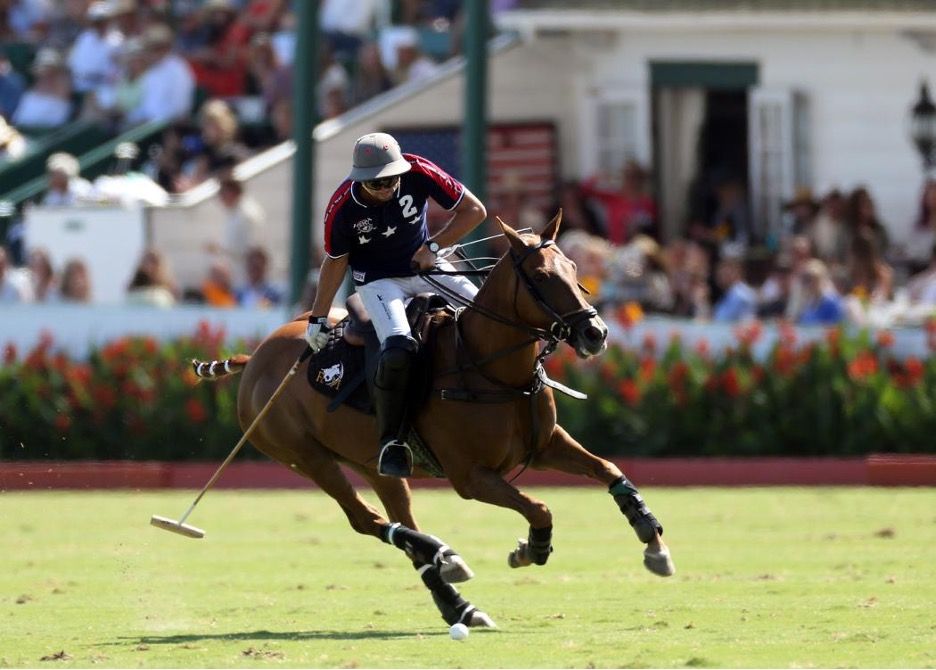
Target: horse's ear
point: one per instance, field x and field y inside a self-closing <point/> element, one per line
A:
<point x="516" y="242"/>
<point x="552" y="228"/>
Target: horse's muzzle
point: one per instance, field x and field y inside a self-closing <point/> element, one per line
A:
<point x="590" y="337"/>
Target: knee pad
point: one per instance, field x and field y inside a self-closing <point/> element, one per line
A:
<point x="401" y="342"/>
<point x="396" y="356"/>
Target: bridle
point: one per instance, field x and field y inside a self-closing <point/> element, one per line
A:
<point x="563" y="325"/>
<point x="560" y="329"/>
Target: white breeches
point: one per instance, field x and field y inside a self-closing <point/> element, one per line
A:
<point x="385" y="299"/>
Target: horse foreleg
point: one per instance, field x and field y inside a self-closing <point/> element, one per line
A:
<point x="394" y="493"/>
<point x="428" y="550"/>
<point x="565" y="454"/>
<point x="489" y="487"/>
<point x="320" y="466"/>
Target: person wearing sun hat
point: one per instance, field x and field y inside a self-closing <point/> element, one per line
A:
<point x="375" y="224"/>
<point x="92" y="58"/>
<point x="48" y="102"/>
<point x="802" y="208"/>
<point x="65" y="185"/>
<point x="168" y="85"/>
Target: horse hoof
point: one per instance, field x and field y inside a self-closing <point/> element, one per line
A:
<point x="479" y="619"/>
<point x="520" y="557"/>
<point x="454" y="569"/>
<point x="659" y="562"/>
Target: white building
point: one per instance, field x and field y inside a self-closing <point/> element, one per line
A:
<point x="787" y="93"/>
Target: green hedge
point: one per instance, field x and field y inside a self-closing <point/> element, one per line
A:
<point x="844" y="395"/>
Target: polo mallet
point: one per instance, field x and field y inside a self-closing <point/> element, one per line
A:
<point x="180" y="526"/>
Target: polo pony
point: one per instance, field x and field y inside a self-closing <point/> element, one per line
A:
<point x="486" y="373"/>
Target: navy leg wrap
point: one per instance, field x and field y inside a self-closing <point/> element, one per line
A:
<point x="633" y="507"/>
<point x="452" y="606"/>
<point x="418" y="546"/>
<point x="540" y="543"/>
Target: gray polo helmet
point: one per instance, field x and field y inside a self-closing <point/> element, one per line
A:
<point x="377" y="155"/>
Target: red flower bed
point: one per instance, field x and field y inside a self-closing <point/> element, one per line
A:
<point x="843" y="394"/>
<point x="134" y="398"/>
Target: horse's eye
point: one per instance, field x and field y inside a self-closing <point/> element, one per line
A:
<point x="540" y="276"/>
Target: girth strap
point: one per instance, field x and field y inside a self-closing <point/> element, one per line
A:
<point x="487" y="396"/>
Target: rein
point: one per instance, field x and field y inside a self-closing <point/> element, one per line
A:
<point x="558" y="331"/>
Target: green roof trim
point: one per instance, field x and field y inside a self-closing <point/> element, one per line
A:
<point x="673" y="6"/>
<point x="712" y="75"/>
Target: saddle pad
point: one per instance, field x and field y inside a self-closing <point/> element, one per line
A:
<point x="338" y="364"/>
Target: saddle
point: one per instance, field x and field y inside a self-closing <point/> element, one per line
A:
<point x="419" y="313"/>
<point x="339" y="370"/>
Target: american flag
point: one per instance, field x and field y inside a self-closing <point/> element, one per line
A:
<point x="521" y="157"/>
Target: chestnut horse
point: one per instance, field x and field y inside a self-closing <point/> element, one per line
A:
<point x="487" y="375"/>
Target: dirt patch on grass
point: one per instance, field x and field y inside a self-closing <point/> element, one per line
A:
<point x="250" y="652"/>
<point x="57" y="656"/>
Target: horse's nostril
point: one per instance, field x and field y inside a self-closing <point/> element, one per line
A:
<point x="593" y="334"/>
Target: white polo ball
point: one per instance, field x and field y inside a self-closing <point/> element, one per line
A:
<point x="459" y="631"/>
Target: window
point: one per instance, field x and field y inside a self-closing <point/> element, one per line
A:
<point x="615" y="130"/>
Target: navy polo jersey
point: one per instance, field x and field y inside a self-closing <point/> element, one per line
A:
<point x="380" y="240"/>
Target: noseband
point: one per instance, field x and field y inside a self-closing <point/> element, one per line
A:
<point x="563" y="325"/>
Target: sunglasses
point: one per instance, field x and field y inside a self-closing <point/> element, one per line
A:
<point x="380" y="184"/>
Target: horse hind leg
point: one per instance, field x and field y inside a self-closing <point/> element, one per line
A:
<point x="564" y="454"/>
<point x="395" y="496"/>
<point x="318" y="464"/>
<point x="489" y="487"/>
<point x="428" y="549"/>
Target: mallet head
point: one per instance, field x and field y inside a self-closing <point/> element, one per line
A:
<point x="176" y="527"/>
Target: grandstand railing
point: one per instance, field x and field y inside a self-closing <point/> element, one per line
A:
<point x="75" y="138"/>
<point x="95" y="157"/>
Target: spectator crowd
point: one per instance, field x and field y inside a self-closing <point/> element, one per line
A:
<point x="833" y="260"/>
<point x="219" y="74"/>
<point x="220" y="71"/>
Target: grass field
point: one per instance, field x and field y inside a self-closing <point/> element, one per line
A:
<point x="765" y="578"/>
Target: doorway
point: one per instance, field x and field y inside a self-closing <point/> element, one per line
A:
<point x="700" y="137"/>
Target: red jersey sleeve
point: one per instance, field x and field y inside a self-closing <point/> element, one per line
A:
<point x="337" y="241"/>
<point x="441" y="186"/>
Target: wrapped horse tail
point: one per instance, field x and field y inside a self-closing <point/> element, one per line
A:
<point x="218" y="369"/>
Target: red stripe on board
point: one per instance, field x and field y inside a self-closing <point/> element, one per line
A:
<point x="875" y="470"/>
<point x="901" y="470"/>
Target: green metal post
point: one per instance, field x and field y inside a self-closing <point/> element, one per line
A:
<point x="305" y="113"/>
<point x="474" y="133"/>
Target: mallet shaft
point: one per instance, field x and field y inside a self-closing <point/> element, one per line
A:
<point x="244" y="437"/>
